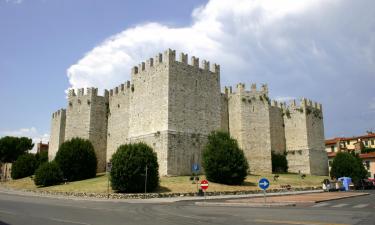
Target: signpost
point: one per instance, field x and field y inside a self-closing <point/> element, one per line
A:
<point x="195" y="168"/>
<point x="204" y="186"/>
<point x="109" y="168"/>
<point x="264" y="184"/>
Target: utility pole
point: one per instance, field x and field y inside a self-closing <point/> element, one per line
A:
<point x="146" y="181"/>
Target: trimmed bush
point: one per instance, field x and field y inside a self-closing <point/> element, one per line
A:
<point x="48" y="174"/>
<point x="24" y="166"/>
<point x="41" y="158"/>
<point x="224" y="162"/>
<point x="76" y="159"/>
<point x="128" y="171"/>
<point x="279" y="162"/>
<point x="348" y="165"/>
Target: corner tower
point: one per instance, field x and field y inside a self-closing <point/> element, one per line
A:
<point x="57" y="132"/>
<point x="174" y="105"/>
<point x="304" y="133"/>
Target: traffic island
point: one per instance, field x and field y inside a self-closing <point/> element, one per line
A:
<point x="246" y="204"/>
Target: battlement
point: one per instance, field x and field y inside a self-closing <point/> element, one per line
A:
<point x="58" y="113"/>
<point x="92" y="92"/>
<point x="122" y="88"/>
<point x="304" y="103"/>
<point x="169" y="56"/>
<point x="241" y="88"/>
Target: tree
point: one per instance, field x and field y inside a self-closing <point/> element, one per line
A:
<point x="279" y="162"/>
<point x="128" y="173"/>
<point x="224" y="162"/>
<point x="367" y="150"/>
<point x="48" y="174"/>
<point x="76" y="159"/>
<point x="12" y="147"/>
<point x="41" y="157"/>
<point x="348" y="165"/>
<point x="24" y="166"/>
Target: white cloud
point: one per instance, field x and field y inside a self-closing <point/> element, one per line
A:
<point x="14" y="1"/>
<point x="320" y="49"/>
<point x="31" y="132"/>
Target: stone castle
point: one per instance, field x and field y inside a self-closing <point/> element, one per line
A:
<point x="173" y="105"/>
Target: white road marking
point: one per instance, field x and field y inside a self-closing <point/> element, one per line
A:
<point x="339" y="205"/>
<point x="321" y="204"/>
<point x="360" y="206"/>
<point x="7" y="212"/>
<point x="68" y="221"/>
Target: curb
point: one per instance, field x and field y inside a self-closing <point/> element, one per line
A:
<point x="343" y="197"/>
<point x="183" y="196"/>
<point x="260" y="205"/>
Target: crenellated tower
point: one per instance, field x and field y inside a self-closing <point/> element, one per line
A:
<point x="118" y="117"/>
<point x="86" y="117"/>
<point x="249" y="123"/>
<point x="174" y="106"/>
<point x="304" y="133"/>
<point x="57" y="132"/>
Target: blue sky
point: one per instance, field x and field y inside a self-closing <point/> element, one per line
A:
<point x="319" y="49"/>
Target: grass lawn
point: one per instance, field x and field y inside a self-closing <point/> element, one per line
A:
<point x="170" y="184"/>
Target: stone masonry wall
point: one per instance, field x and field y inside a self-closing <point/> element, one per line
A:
<point x="194" y="110"/>
<point x="118" y="118"/>
<point x="305" y="138"/>
<point x="224" y="113"/>
<point x="57" y="132"/>
<point x="86" y="117"/>
<point x="277" y="129"/>
<point x="249" y="123"/>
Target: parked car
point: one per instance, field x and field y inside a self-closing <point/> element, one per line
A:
<point x="372" y="180"/>
<point x="364" y="184"/>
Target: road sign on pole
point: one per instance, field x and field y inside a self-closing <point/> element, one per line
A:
<point x="264" y="184"/>
<point x="195" y="167"/>
<point x="204" y="184"/>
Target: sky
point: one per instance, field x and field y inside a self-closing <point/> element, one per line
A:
<point x="323" y="50"/>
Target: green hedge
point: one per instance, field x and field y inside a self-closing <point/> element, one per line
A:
<point x="76" y="159"/>
<point x="48" y="174"/>
<point x="223" y="161"/>
<point x="129" y="168"/>
<point x="24" y="166"/>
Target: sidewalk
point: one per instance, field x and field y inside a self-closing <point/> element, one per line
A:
<point x="284" y="200"/>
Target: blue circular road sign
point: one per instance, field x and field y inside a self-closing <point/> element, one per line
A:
<point x="263" y="183"/>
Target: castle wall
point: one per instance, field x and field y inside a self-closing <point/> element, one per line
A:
<point x="173" y="105"/>
<point x="305" y="138"/>
<point x="249" y="123"/>
<point x="57" y="132"/>
<point x="194" y="97"/>
<point x="118" y="118"/>
<point x="86" y="117"/>
<point x="224" y="113"/>
<point x="277" y="129"/>
<point x="149" y="99"/>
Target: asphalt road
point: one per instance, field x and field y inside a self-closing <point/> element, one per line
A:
<point x="29" y="210"/>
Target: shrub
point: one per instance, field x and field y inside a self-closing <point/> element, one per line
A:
<point x="76" y="159"/>
<point x="348" y="165"/>
<point x="41" y="158"/>
<point x="129" y="168"/>
<point x="48" y="174"/>
<point x="224" y="162"/>
<point x="24" y="166"/>
<point x="279" y="162"/>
